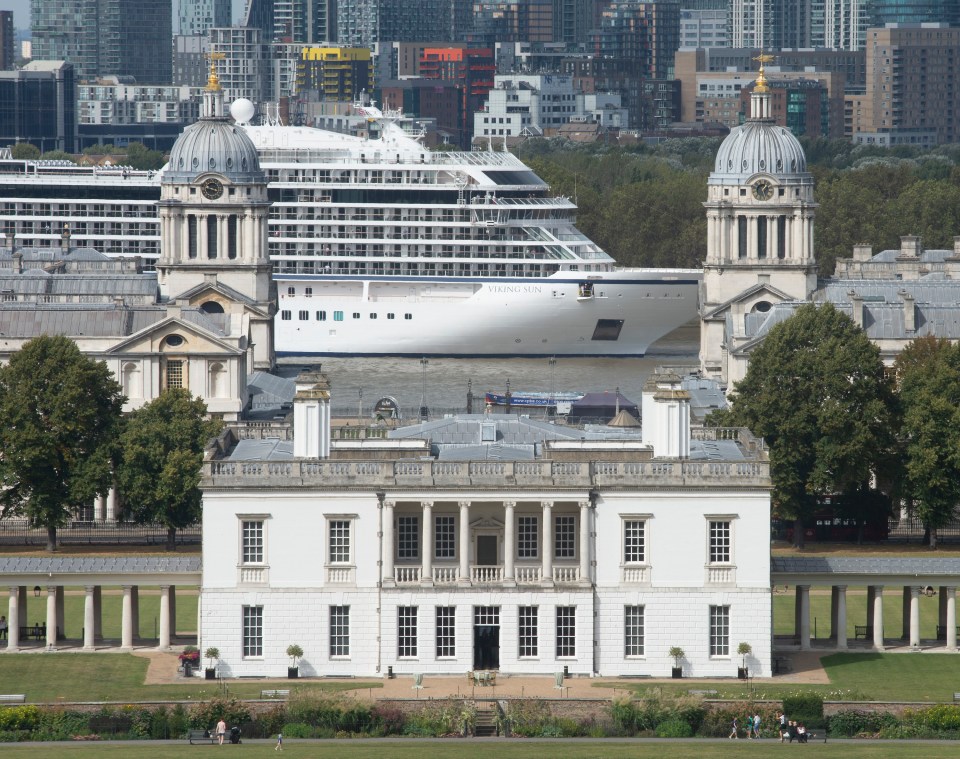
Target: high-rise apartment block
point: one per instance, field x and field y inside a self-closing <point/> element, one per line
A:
<point x="913" y="87"/>
<point x="38" y="105"/>
<point x="197" y="16"/>
<point x="106" y="37"/>
<point x="8" y="41"/>
<point x="336" y="73"/>
<point x="648" y="33"/>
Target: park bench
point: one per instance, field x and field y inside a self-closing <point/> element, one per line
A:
<point x="956" y="696"/>
<point x="201" y="736"/>
<point x="13" y="698"/>
<point x="863" y="631"/>
<point x="284" y="693"/>
<point x="942" y="632"/>
<point x="780" y="665"/>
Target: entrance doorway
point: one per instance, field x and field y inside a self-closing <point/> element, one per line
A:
<point x="487" y="550"/>
<point x="486" y="637"/>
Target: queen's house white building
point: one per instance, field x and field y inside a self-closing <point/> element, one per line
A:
<point x="488" y="542"/>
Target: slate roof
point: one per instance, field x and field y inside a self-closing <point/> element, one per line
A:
<point x="864" y="565"/>
<point x="98" y="564"/>
<point x="27" y="320"/>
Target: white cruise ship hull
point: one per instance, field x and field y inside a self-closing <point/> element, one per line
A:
<point x="620" y="314"/>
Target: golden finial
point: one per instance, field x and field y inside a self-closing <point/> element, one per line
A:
<point x="213" y="81"/>
<point x="761" y="85"/>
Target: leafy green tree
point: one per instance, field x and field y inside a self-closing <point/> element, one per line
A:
<point x="928" y="377"/>
<point x="162" y="453"/>
<point x="141" y="157"/>
<point x="817" y="392"/>
<point x="58" y="155"/>
<point x="60" y="411"/>
<point x="25" y="151"/>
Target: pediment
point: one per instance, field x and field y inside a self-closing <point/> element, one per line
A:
<point x="753" y="293"/>
<point x="217" y="291"/>
<point x="195" y="340"/>
<point x="486" y="523"/>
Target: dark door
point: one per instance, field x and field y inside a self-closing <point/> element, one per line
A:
<point x="486" y="637"/>
<point x="487" y="550"/>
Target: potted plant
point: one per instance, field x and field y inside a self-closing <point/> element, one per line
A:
<point x="677" y="653"/>
<point x="213" y="654"/>
<point x="189" y="660"/>
<point x="294" y="652"/>
<point x="744" y="650"/>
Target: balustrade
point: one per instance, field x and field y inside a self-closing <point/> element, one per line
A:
<point x="445" y="575"/>
<point x="406" y="575"/>
<point x="721" y="575"/>
<point x="486" y="574"/>
<point x="565" y="574"/>
<point x="253" y="575"/>
<point x="635" y="574"/>
<point x="529" y="574"/>
<point x="340" y="575"/>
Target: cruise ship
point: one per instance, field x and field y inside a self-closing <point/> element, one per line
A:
<point x="384" y="247"/>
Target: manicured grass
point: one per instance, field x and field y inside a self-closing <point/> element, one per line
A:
<point x="783" y="612"/>
<point x="120" y="677"/>
<point x="896" y="677"/>
<point x="505" y="749"/>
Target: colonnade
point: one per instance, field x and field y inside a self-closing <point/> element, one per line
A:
<point x="464" y="575"/>
<point x="873" y="631"/>
<point x="20" y="629"/>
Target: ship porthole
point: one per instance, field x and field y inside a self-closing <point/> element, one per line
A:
<point x="516" y="340"/>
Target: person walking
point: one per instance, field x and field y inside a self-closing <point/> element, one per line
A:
<point x="279" y="746"/>
<point x="221" y="731"/>
<point x="3" y="627"/>
<point x="734" y="727"/>
<point x="749" y="727"/>
<point x="783" y="725"/>
<point x="756" y="726"/>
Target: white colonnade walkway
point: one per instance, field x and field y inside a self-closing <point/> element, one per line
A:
<point x="51" y="578"/>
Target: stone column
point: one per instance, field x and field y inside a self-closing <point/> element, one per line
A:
<point x="905" y="612"/>
<point x="752" y="238"/>
<point x="915" y="617"/>
<point x="89" y="626"/>
<point x="426" y="570"/>
<point x="135" y="610"/>
<point x="51" y="616"/>
<point x="464" y="542"/>
<point x="585" y="542"/>
<point x="97" y="613"/>
<point x="111" y="505"/>
<point x="803" y="592"/>
<point x="840" y="628"/>
<point x="164" y="632"/>
<point x="100" y="509"/>
<point x="13" y="619"/>
<point x="126" y="619"/>
<point x="773" y="235"/>
<point x="61" y="619"/>
<point x="547" y="541"/>
<point x="878" y="617"/>
<point x="388" y="547"/>
<point x="951" y="594"/>
<point x="509" y="541"/>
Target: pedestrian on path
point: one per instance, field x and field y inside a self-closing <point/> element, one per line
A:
<point x="734" y="727"/>
<point x="221" y="731"/>
<point x="756" y="726"/>
<point x="783" y="725"/>
<point x="749" y="728"/>
<point x="279" y="746"/>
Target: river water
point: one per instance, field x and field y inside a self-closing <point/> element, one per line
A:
<point x="357" y="383"/>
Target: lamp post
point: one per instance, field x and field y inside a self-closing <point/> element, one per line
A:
<point x="424" y="411"/>
<point x="552" y="408"/>
<point x="360" y="406"/>
<point x="507" y="395"/>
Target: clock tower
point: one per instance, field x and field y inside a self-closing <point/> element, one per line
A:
<point x="213" y="220"/>
<point x="760" y="214"/>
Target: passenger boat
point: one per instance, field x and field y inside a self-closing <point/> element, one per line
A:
<point x="383" y="247"/>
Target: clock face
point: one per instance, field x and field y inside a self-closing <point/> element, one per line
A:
<point x="763" y="190"/>
<point x="211" y="189"/>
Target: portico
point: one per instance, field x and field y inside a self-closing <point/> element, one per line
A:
<point x="509" y="540"/>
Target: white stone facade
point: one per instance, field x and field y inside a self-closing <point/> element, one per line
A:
<point x="677" y="548"/>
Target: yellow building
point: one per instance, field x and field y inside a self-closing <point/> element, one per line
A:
<point x="337" y="73"/>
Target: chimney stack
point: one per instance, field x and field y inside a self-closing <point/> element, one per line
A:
<point x="862" y="252"/>
<point x="857" y="302"/>
<point x="11" y="240"/>
<point x="909" y="312"/>
<point x="667" y="425"/>
<point x="910" y="246"/>
<point x="65" y="239"/>
<point x="311" y="416"/>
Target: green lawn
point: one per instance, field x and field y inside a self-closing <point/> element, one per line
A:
<point x="120" y="677"/>
<point x="505" y="749"/>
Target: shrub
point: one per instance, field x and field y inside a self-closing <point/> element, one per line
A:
<point x="387" y="720"/>
<point x="440" y="718"/>
<point x="179" y="722"/>
<point x="858" y="723"/>
<point x="19" y="717"/>
<point x="674" y="728"/>
<point x="60" y="725"/>
<point x="205" y="715"/>
<point x="805" y="708"/>
<point x="941" y="717"/>
<point x="527" y="718"/>
<point x="297" y="730"/>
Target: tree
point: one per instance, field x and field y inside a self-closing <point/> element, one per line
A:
<point x="816" y="391"/>
<point x="161" y="456"/>
<point x="141" y="157"/>
<point x="25" y="151"/>
<point x="928" y="379"/>
<point x="60" y="410"/>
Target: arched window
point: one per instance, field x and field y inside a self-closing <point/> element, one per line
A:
<point x="217" y="381"/>
<point x="130" y="380"/>
<point x="192" y="236"/>
<point x="761" y="307"/>
<point x="211" y="307"/>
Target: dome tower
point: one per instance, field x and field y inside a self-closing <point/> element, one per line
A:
<point x="760" y="214"/>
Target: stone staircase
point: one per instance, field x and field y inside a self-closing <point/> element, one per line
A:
<point x="486" y="723"/>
